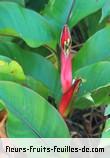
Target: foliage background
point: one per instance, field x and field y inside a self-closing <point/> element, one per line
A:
<point x="29" y="62"/>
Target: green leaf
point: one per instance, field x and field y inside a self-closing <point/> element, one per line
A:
<point x="94" y="50"/>
<point x="32" y="114"/>
<point x="56" y="12"/>
<point x="95" y="98"/>
<point x="37" y="86"/>
<point x="29" y="82"/>
<point x="83" y="8"/>
<point x="107" y="110"/>
<point x="95" y="76"/>
<point x="35" y="66"/>
<point x="12" y="71"/>
<point x="102" y="96"/>
<point x="106" y="131"/>
<point x="37" y="30"/>
<point x="4" y="58"/>
<point x="105" y="10"/>
<point x="12" y="68"/>
<point x="28" y="25"/>
<point x="97" y="83"/>
<point x="16" y="70"/>
<point x="21" y="2"/>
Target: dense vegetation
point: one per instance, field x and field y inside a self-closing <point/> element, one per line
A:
<point x="30" y="64"/>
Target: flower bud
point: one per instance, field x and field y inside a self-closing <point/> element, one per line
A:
<point x="66" y="59"/>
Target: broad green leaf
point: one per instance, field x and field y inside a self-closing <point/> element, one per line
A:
<point x="83" y="8"/>
<point x="28" y="25"/>
<point x="9" y="77"/>
<point x="37" y="86"/>
<point x="12" y="68"/>
<point x="35" y="66"/>
<point x="105" y="10"/>
<point x="16" y="70"/>
<point x="95" y="76"/>
<point x="34" y="29"/>
<point x="97" y="83"/>
<point x="29" y="82"/>
<point x="56" y="12"/>
<point x="32" y="114"/>
<point x="95" y="98"/>
<point x="84" y="102"/>
<point x="12" y="71"/>
<point x="21" y="2"/>
<point x="4" y="58"/>
<point x="106" y="131"/>
<point x="102" y="96"/>
<point x="94" y="50"/>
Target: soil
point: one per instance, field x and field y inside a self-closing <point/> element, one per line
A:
<point x="87" y="123"/>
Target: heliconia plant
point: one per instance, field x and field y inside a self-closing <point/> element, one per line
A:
<point x="69" y="88"/>
<point x="37" y="98"/>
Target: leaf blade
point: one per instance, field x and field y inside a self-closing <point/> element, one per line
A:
<point x="97" y="83"/>
<point x="32" y="108"/>
<point x="84" y="8"/>
<point x="93" y="50"/>
<point x="40" y="69"/>
<point x="32" y="28"/>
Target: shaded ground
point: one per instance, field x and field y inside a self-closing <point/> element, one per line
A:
<point x="87" y="123"/>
